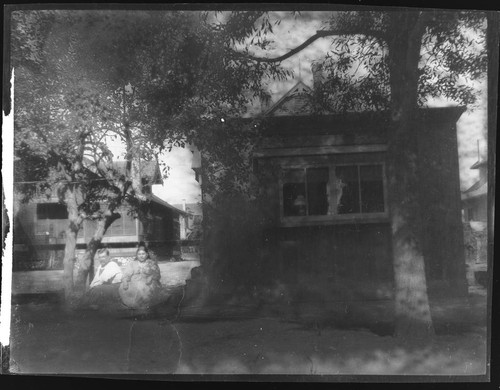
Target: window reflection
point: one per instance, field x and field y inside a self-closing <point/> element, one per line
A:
<point x="372" y="188"/>
<point x="349" y="196"/>
<point x="356" y="189"/>
<point x="294" y="189"/>
<point x="317" y="191"/>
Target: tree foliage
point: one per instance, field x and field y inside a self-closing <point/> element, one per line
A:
<point x="356" y="70"/>
<point x="150" y="79"/>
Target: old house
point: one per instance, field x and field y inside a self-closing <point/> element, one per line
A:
<point x="323" y="217"/>
<point x="39" y="227"/>
<point x="475" y="214"/>
<point x="190" y="229"/>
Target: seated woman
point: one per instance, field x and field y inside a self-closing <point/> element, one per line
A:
<point x="106" y="282"/>
<point x="141" y="287"/>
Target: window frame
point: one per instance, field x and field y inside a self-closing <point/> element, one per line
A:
<point x="332" y="217"/>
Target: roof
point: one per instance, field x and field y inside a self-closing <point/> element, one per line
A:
<point x="478" y="164"/>
<point x="479" y="188"/>
<point x="149" y="169"/>
<point x="191" y="208"/>
<point x="161" y="202"/>
<point x="297" y="104"/>
<point x="296" y="101"/>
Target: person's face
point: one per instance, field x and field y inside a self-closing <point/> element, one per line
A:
<point x="103" y="258"/>
<point x="142" y="255"/>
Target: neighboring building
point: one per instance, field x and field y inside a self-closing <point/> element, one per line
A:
<point x="324" y="222"/>
<point x="190" y="223"/>
<point x="475" y="214"/>
<point x="190" y="230"/>
<point x="40" y="225"/>
<point x="474" y="199"/>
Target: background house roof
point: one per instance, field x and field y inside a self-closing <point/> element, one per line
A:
<point x="150" y="170"/>
<point x="161" y="202"/>
<point x="477" y="189"/>
<point x="478" y="164"/>
<point x="480" y="187"/>
<point x="191" y="208"/>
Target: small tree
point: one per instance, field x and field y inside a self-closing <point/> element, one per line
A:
<point x="62" y="121"/>
<point x="154" y="80"/>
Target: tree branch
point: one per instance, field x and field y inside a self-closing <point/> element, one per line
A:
<point x="320" y="34"/>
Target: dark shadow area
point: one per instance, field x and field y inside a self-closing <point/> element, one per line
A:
<point x="453" y="328"/>
<point x="38" y="298"/>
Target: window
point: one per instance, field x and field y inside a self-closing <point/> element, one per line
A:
<point x="305" y="192"/>
<point x="51" y="220"/>
<point x="332" y="192"/>
<point x="51" y="211"/>
<point x="361" y="189"/>
<point x="470" y="214"/>
<point x="123" y="226"/>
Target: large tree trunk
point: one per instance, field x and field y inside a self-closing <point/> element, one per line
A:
<point x="85" y="263"/>
<point x="75" y="223"/>
<point x="413" y="316"/>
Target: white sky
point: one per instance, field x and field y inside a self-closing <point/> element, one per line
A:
<point x="290" y="33"/>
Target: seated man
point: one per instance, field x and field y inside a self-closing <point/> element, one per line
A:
<point x="104" y="287"/>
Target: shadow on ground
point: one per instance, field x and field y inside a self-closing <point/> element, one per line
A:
<point x="352" y="339"/>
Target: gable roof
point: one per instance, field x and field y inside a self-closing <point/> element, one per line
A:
<point x="479" y="188"/>
<point x="150" y="170"/>
<point x="479" y="163"/>
<point x="297" y="101"/>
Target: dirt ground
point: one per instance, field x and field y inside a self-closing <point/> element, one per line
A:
<point x="224" y="340"/>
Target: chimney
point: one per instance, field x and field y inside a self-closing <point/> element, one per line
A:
<point x="183" y="204"/>
<point x="318" y="75"/>
<point x="265" y="101"/>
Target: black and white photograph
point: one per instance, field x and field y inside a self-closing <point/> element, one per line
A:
<point x="254" y="193"/>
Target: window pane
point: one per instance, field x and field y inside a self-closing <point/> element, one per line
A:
<point x="116" y="228"/>
<point x="372" y="189"/>
<point x="294" y="190"/>
<point x="317" y="191"/>
<point x="128" y="224"/>
<point x="347" y="187"/>
<point x="51" y="211"/>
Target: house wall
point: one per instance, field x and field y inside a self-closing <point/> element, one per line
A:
<point x="330" y="254"/>
<point x="350" y="254"/>
<point x="163" y="230"/>
<point x="476" y="209"/>
<point x="122" y="230"/>
<point x="439" y="180"/>
<point x="40" y="242"/>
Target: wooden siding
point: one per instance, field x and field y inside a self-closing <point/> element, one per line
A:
<point x="439" y="180"/>
<point x="332" y="253"/>
<point x="360" y="248"/>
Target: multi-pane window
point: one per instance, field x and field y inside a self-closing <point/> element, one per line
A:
<point x="51" y="219"/>
<point x="333" y="190"/>
<point x="362" y="189"/>
<point x="305" y="192"/>
<point x="124" y="226"/>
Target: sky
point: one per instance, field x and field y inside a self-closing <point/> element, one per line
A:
<point x="471" y="127"/>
